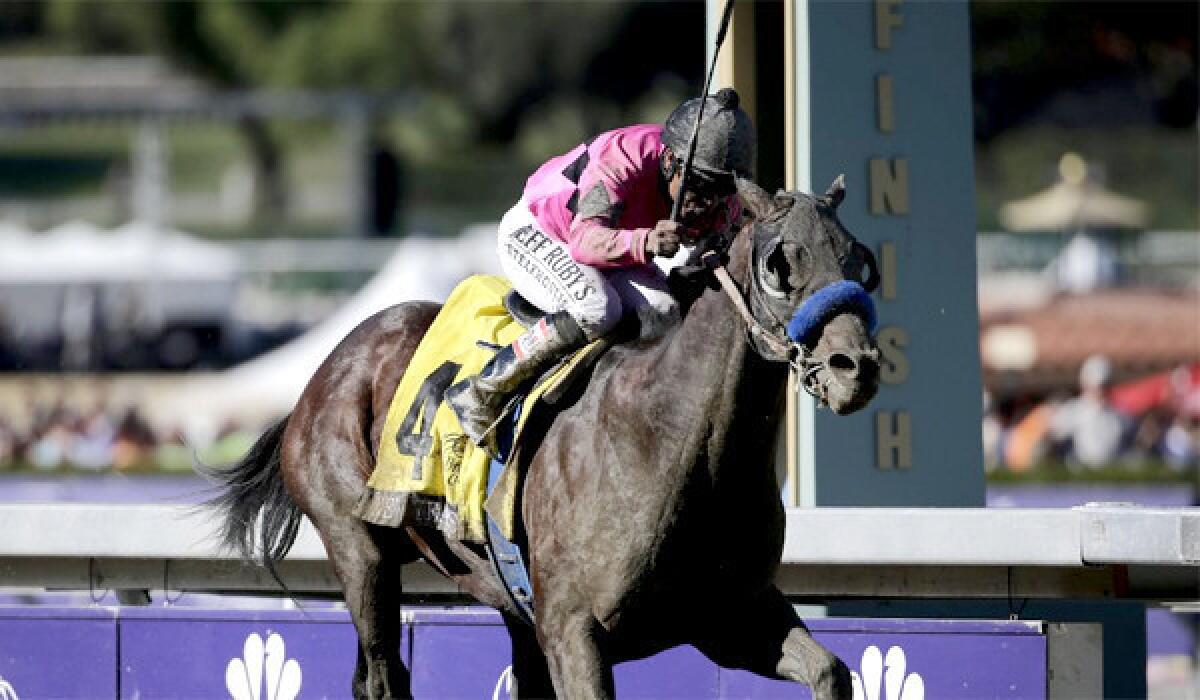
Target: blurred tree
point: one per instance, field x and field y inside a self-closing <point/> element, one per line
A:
<point x="1142" y="55"/>
<point x="501" y="59"/>
<point x="493" y="60"/>
<point x="19" y="20"/>
<point x="189" y="34"/>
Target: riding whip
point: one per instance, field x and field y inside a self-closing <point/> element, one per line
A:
<point x="691" y="154"/>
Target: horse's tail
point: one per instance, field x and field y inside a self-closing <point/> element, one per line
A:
<point x="252" y="487"/>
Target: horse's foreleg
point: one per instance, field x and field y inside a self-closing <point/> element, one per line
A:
<point x="804" y="660"/>
<point x="764" y="635"/>
<point x="531" y="675"/>
<point x="367" y="560"/>
<point x="572" y="647"/>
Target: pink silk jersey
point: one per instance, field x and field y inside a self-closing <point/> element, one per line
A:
<point x="626" y="163"/>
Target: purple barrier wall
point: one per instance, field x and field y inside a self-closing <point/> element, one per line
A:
<point x="108" y="487"/>
<point x="934" y="658"/>
<point x="58" y="653"/>
<point x="173" y="653"/>
<point x="1077" y="494"/>
<point x="938" y="658"/>
<point x="473" y="642"/>
<point x="460" y="653"/>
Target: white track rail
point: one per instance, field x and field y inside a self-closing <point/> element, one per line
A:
<point x="1087" y="552"/>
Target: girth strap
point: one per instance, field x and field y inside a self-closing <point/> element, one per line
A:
<point x="506" y="555"/>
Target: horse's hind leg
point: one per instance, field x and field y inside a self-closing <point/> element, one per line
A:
<point x="572" y="644"/>
<point x="764" y="635"/>
<point x="531" y="675"/>
<point x="367" y="561"/>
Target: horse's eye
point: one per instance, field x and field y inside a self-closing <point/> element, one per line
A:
<point x="778" y="270"/>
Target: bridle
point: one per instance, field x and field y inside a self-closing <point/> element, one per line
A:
<point x="772" y="337"/>
<point x="795" y="354"/>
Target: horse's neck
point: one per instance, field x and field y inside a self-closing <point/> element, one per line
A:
<point x="731" y="395"/>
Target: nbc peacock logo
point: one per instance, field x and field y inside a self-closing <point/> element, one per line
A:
<point x="504" y="685"/>
<point x="6" y="690"/>
<point x="262" y="664"/>
<point x="887" y="674"/>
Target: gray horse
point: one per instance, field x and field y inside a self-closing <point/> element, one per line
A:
<point x="648" y="496"/>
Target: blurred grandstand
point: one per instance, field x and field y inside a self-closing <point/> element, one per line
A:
<point x="196" y="204"/>
<point x="1102" y="310"/>
<point x="188" y="227"/>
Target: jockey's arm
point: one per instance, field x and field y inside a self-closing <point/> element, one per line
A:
<point x="596" y="240"/>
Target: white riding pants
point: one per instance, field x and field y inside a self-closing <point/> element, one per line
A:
<point x="543" y="271"/>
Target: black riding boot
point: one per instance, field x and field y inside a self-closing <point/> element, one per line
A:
<point x="479" y="401"/>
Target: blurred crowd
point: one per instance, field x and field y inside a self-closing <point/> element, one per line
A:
<point x="59" y="437"/>
<point x="1138" y="426"/>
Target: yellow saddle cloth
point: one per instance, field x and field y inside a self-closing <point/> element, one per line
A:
<point x="427" y="472"/>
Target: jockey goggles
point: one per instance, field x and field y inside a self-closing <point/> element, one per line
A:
<point x="705" y="182"/>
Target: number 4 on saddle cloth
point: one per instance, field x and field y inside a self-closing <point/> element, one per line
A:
<point x="427" y="472"/>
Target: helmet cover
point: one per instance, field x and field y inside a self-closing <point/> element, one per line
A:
<point x="725" y="140"/>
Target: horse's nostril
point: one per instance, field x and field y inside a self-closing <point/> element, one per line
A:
<point x="868" y="366"/>
<point x="854" y="366"/>
<point x="842" y="362"/>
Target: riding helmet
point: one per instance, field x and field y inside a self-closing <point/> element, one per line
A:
<point x="725" y="141"/>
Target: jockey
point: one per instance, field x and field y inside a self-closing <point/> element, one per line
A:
<point x="580" y="243"/>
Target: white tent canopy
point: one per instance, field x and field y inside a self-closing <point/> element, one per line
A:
<point x="420" y="269"/>
<point x="80" y="252"/>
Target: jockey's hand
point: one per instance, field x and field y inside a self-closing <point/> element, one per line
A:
<point x="664" y="239"/>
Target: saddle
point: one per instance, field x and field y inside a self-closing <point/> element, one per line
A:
<point x="427" y="472"/>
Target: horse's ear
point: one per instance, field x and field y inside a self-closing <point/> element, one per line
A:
<point x="755" y="198"/>
<point x="836" y="192"/>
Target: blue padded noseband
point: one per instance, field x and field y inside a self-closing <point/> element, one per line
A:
<point x="827" y="302"/>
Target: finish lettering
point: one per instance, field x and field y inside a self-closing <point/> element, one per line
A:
<point x="887" y="18"/>
<point x="889" y="186"/>
<point x="887" y="271"/>
<point x="893" y="440"/>
<point x="891" y="341"/>
<point x="885" y="104"/>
